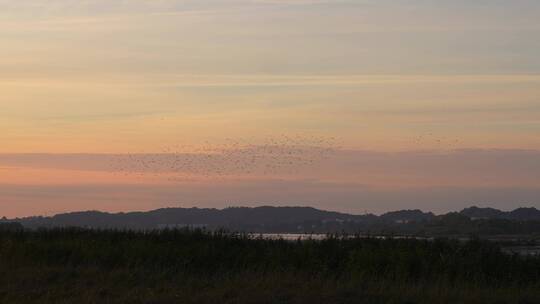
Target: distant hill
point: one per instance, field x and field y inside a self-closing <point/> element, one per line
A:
<point x="482" y="213"/>
<point x="520" y="214"/>
<point x="240" y="218"/>
<point x="406" y="216"/>
<point x="524" y="214"/>
<point x="266" y="219"/>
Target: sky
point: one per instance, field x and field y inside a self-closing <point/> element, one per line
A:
<point x="355" y="105"/>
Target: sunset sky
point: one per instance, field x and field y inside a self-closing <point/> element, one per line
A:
<point x="417" y="104"/>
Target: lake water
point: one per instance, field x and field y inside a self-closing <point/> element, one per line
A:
<point x="521" y="250"/>
<point x="303" y="237"/>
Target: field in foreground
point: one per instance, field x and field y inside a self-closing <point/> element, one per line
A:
<point x="182" y="266"/>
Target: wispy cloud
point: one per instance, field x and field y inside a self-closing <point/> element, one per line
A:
<point x="270" y="80"/>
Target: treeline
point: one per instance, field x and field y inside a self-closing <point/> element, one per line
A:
<point x="11" y="226"/>
<point x="196" y="266"/>
<point x="470" y="221"/>
<point x="448" y="225"/>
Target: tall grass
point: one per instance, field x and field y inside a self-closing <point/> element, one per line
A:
<point x="89" y="266"/>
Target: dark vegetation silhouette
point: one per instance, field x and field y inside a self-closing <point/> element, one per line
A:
<point x="199" y="266"/>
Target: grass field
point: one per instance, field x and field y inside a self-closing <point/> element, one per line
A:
<point x="183" y="266"/>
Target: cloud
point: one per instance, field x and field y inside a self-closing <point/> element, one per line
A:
<point x="269" y="80"/>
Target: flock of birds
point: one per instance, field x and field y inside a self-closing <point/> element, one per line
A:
<point x="438" y="142"/>
<point x="233" y="158"/>
<point x="276" y="155"/>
